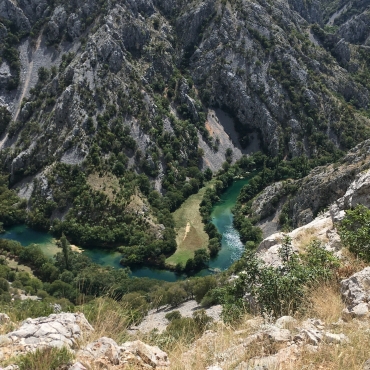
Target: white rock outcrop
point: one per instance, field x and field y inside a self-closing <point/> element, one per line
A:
<point x="321" y="228"/>
<point x="56" y="330"/>
<point x="356" y="294"/>
<point x="357" y="193"/>
<point x="67" y="330"/>
<point x="106" y="353"/>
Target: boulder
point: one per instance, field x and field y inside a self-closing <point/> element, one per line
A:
<point x="56" y="330"/>
<point x="138" y="354"/>
<point x="278" y="335"/>
<point x="335" y="338"/>
<point x="285" y="322"/>
<point x="4" y="318"/>
<point x="152" y="356"/>
<point x="356" y="294"/>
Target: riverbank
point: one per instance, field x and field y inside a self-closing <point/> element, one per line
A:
<point x="190" y="237"/>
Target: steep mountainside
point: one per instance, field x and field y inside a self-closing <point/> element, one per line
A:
<point x="121" y="88"/>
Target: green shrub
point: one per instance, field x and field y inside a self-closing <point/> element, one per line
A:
<point x="354" y="231"/>
<point x="275" y="290"/>
<point x="174" y="315"/>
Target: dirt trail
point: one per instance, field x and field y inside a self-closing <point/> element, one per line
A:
<point x="187" y="229"/>
<point x="27" y="79"/>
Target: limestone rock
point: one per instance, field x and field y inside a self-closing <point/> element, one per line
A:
<point x="5" y="74"/>
<point x="358" y="192"/>
<point x="342" y="52"/>
<point x="356" y="30"/>
<point x="285" y="322"/>
<point x="366" y="365"/>
<point x="56" y="330"/>
<point x="308" y="10"/>
<point x="9" y="11"/>
<point x="4" y="318"/>
<point x="74" y="26"/>
<point x="335" y="338"/>
<point x="150" y="355"/>
<point x="278" y="335"/>
<point x="3" y="32"/>
<point x="356" y="294"/>
<point x="77" y="366"/>
<point x="107" y="351"/>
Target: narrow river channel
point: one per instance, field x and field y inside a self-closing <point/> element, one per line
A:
<point x="222" y="217"/>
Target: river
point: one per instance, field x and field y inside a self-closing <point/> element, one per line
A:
<point x="222" y="217"/>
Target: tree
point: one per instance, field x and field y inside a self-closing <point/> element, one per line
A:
<point x="176" y="295"/>
<point x="158" y="298"/>
<point x="201" y="258"/>
<point x="189" y="264"/>
<point x="5" y="118"/>
<point x="354" y="231"/>
<point x="43" y="74"/>
<point x="202" y="286"/>
<point x="214" y="246"/>
<point x="64" y="244"/>
<point x="208" y="174"/>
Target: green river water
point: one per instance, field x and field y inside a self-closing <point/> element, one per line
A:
<point x="222" y="217"/>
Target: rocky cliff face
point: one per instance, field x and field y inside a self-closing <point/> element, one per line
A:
<point x="97" y="78"/>
<point x="343" y="184"/>
<point x="246" y="57"/>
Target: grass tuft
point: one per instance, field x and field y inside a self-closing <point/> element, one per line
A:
<point x="42" y="359"/>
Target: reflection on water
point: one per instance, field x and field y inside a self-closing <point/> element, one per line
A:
<point x="222" y="218"/>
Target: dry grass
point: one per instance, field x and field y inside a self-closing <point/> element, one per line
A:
<point x="350" y="265"/>
<point x="108" y="184"/>
<point x="15" y="265"/>
<point x="203" y="352"/>
<point x="305" y="236"/>
<point x="324" y="302"/>
<point x="109" y="318"/>
<point x="351" y="356"/>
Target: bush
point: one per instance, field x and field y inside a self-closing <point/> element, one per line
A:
<point x="278" y="290"/>
<point x="174" y="315"/>
<point x="184" y="328"/>
<point x="354" y="231"/>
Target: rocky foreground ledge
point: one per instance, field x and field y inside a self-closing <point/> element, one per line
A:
<point x="70" y="330"/>
<point x="287" y="336"/>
